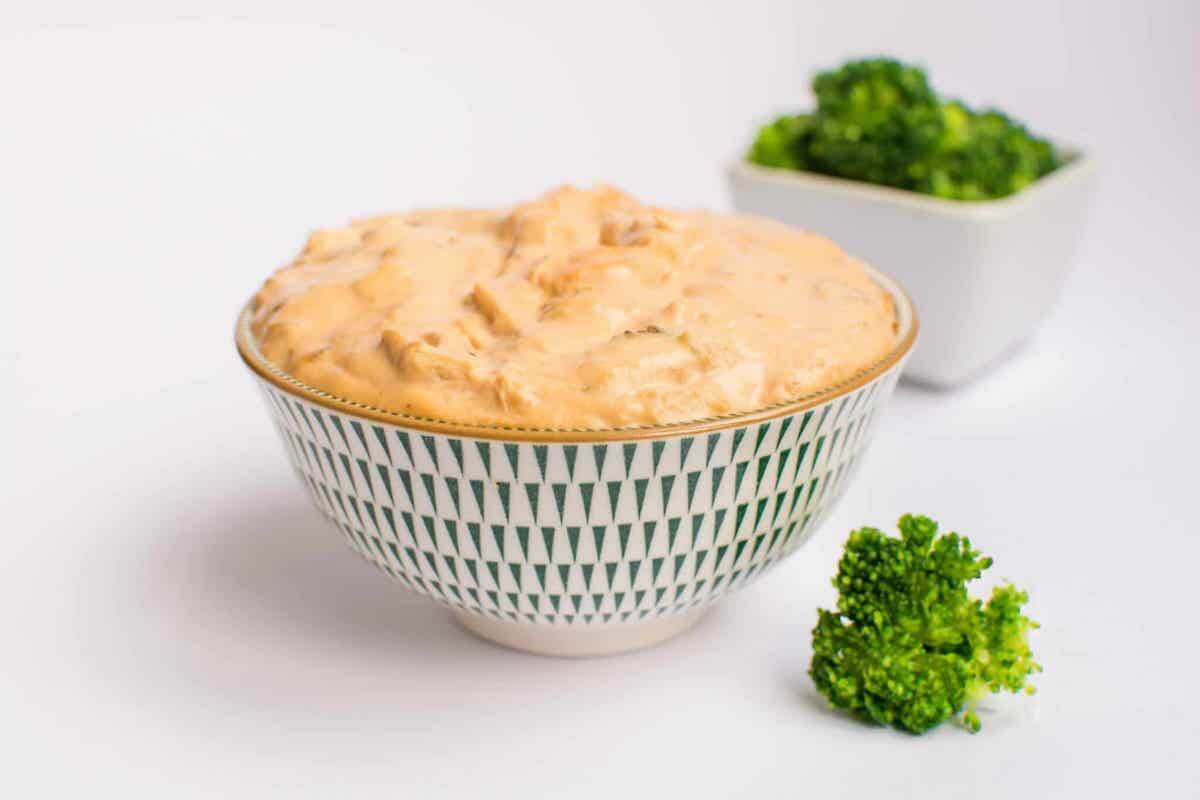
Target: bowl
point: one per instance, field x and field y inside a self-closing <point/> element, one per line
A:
<point x="984" y="274"/>
<point x="574" y="542"/>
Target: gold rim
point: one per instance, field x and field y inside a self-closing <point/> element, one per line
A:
<point x="905" y="311"/>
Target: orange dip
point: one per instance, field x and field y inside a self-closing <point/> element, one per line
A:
<point x="581" y="309"/>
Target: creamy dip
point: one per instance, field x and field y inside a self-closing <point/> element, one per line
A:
<point x="581" y="309"/>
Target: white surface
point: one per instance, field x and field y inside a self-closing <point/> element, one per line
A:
<point x="178" y="623"/>
<point x="984" y="275"/>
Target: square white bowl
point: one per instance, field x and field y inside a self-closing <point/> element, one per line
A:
<point x="983" y="275"/>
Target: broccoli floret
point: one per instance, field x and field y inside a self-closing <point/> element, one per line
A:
<point x="783" y="143"/>
<point x="864" y="89"/>
<point x="988" y="155"/>
<point x="907" y="645"/>
<point x="878" y="120"/>
<point x="874" y="119"/>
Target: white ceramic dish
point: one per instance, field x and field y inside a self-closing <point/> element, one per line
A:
<point x="578" y="542"/>
<point x="984" y="274"/>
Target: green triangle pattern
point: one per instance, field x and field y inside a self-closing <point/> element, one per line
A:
<point x="717" y="474"/>
<point x="585" y="492"/>
<point x="763" y="461"/>
<point x="738" y="435"/>
<point x="357" y="427"/>
<point x="783" y="429"/>
<point x="656" y="451"/>
<point x="477" y="491"/>
<point x="523" y="540"/>
<point x="599" y="454"/>
<point x="502" y="489"/>
<point x="485" y="457"/>
<point x="570" y="451"/>
<point x="406" y="480"/>
<point x="667" y="482"/>
<point x="739" y="472"/>
<point x="434" y="536"/>
<point x="718" y="521"/>
<point x="532" y="491"/>
<point x="614" y="496"/>
<point x="693" y="480"/>
<point x="685" y="447"/>
<point x="539" y="458"/>
<point x="573" y="540"/>
<point x="402" y="436"/>
<point x="513" y="453"/>
<point x="672" y="531"/>
<point x="759" y="435"/>
<point x="740" y="515"/>
<point x="498" y="538"/>
<point x="639" y="493"/>
<point x="801" y="451"/>
<point x="648" y="528"/>
<point x="655" y="568"/>
<point x="780" y="465"/>
<point x="431" y="448"/>
<point x="758" y="511"/>
<point x="713" y="439"/>
<point x="560" y="499"/>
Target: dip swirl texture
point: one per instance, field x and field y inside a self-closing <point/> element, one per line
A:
<point x="580" y="309"/>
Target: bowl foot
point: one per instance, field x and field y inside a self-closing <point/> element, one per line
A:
<point x="579" y="641"/>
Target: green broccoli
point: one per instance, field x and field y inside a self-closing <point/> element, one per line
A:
<point x="907" y="645"/>
<point x="874" y="119"/>
<point x="992" y="156"/>
<point x="783" y="143"/>
<point x="878" y="120"/>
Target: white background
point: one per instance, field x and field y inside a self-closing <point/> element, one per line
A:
<point x="178" y="622"/>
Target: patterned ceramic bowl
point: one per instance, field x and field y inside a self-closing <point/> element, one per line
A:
<point x="578" y="542"/>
